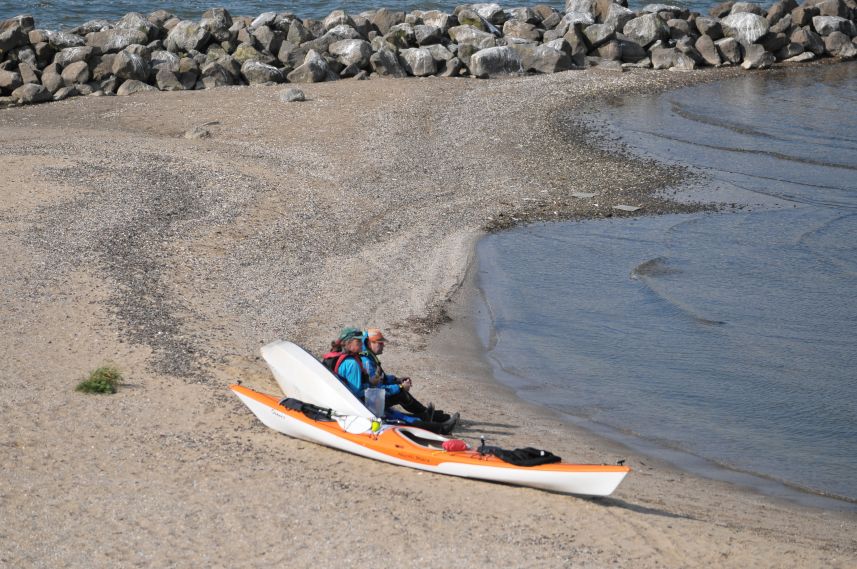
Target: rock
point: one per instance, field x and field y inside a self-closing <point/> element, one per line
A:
<point x="803" y="15"/>
<point x="755" y="57"/>
<point x="168" y="80"/>
<point x="133" y="86"/>
<point x="789" y="51"/>
<point x="495" y="61"/>
<point x="246" y="52"/>
<point x="298" y="33"/>
<point x="29" y="74"/>
<point x="783" y="26"/>
<point x="706" y="48"/>
<point x="52" y="78"/>
<point x="385" y="19"/>
<point x="334" y="35"/>
<point x="135" y="21"/>
<point x="521" y="30"/>
<point x="610" y="51"/>
<point x="163" y="59"/>
<point x="543" y="58"/>
<point x="618" y="16"/>
<point x="386" y="64"/>
<point x="805" y="56"/>
<point x="524" y="14"/>
<point x="65" y="93"/>
<point x="220" y="73"/>
<point x="292" y="95"/>
<point x="646" y="29"/>
<point x="440" y="53"/>
<point x="269" y="40"/>
<point x="437" y="19"/>
<point x="63" y="40"/>
<point x="102" y="67"/>
<point x="745" y="27"/>
<point x="709" y="27"/>
<point x="730" y="50"/>
<point x="632" y="52"/>
<point x="774" y="42"/>
<point x="217" y="22"/>
<point x="492" y="13"/>
<point x="598" y="34"/>
<point x="292" y="55"/>
<point x="255" y="72"/>
<point x="780" y="10"/>
<point x="313" y="70"/>
<point x="581" y="7"/>
<point x="130" y="66"/>
<point x="76" y="73"/>
<point x="427" y="35"/>
<point x="468" y="35"/>
<point x="337" y="18"/>
<point x="97" y="25"/>
<point x="187" y="36"/>
<point x="826" y="25"/>
<point x="678" y="28"/>
<point x="418" y="62"/>
<point x="401" y="36"/>
<point x="468" y="17"/>
<point x="720" y="10"/>
<point x="674" y="11"/>
<point x="578" y="18"/>
<point x="663" y="58"/>
<point x="111" y="41"/>
<point x="746" y="8"/>
<point x="352" y="52"/>
<point x="839" y="45"/>
<point x="44" y="53"/>
<point x="71" y="55"/>
<point x="451" y="68"/>
<point x="9" y="81"/>
<point x="837" y="8"/>
<point x="30" y="93"/>
<point x="809" y="40"/>
<point x="13" y="33"/>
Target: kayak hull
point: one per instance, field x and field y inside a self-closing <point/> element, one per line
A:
<point x="421" y="449"/>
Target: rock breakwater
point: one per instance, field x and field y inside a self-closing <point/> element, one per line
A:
<point x="161" y="52"/>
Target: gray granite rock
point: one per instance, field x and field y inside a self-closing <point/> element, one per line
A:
<point x="385" y="63"/>
<point x="789" y="51"/>
<point x="76" y="73"/>
<point x="747" y="8"/>
<point x="521" y="30"/>
<point x="186" y="36"/>
<point x="384" y="19"/>
<point x="646" y="29"/>
<point x="72" y="54"/>
<point x="111" y="41"/>
<point x="427" y="35"/>
<point x="130" y="66"/>
<point x="314" y="69"/>
<point x="256" y="72"/>
<point x="52" y="78"/>
<point x="9" y="81"/>
<point x="839" y="45"/>
<point x="810" y="40"/>
<point x="135" y="21"/>
<point x="13" y="33"/>
<point x="133" y="86"/>
<point x="745" y="27"/>
<point x="706" y="48"/>
<point x="337" y="18"/>
<point x="730" y="50"/>
<point x="543" y="58"/>
<point x="495" y="61"/>
<point x="598" y="34"/>
<point x="756" y="57"/>
<point x="617" y="16"/>
<point x="826" y="25"/>
<point x="220" y="73"/>
<point x="292" y="95"/>
<point x="218" y="21"/>
<point x="468" y="35"/>
<point x="30" y="93"/>
<point x="352" y="52"/>
<point x="66" y="92"/>
<point x="63" y="40"/>
<point x="418" y="62"/>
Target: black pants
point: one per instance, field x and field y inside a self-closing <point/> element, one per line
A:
<point x="408" y="403"/>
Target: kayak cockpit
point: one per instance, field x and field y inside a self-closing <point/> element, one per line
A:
<point x="422" y="438"/>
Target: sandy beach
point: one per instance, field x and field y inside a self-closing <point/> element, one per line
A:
<point x="176" y="256"/>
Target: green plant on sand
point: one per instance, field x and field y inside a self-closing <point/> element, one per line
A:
<point x="101" y="380"/>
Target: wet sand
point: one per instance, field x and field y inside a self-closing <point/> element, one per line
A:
<point x="176" y="258"/>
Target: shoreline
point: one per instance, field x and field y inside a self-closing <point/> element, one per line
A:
<point x="130" y="241"/>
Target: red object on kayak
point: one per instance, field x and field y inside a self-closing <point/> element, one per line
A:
<point x="453" y="445"/>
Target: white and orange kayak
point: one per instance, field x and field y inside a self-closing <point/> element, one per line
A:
<point x="423" y="450"/>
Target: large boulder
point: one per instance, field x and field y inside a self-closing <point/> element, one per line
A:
<point x="810" y="40"/>
<point x="130" y="66"/>
<point x="133" y="86"/>
<point x="52" y="78"/>
<point x="521" y="30"/>
<point x="220" y="73"/>
<point x="30" y="93"/>
<point x="111" y="41"/>
<point x="709" y="26"/>
<point x="730" y="50"/>
<point x="337" y="18"/>
<point x="418" y="62"/>
<point x="646" y="29"/>
<point x="617" y="16"/>
<point x="494" y="62"/>
<point x="135" y="21"/>
<point x="268" y="39"/>
<point x="468" y="35"/>
<point x="839" y="45"/>
<point x="218" y="21"/>
<point x="352" y="52"/>
<point x="707" y="50"/>
<point x="427" y="35"/>
<point x="402" y="36"/>
<point x="313" y="70"/>
<point x="598" y="34"/>
<point x="543" y="58"/>
<point x="73" y="54"/>
<point x="747" y="8"/>
<point x="333" y="35"/>
<point x="163" y="59"/>
<point x="745" y="27"/>
<point x="13" y="33"/>
<point x="62" y="40"/>
<point x="826" y="25"/>
<point x="187" y="36"/>
<point x="256" y="72"/>
<point x="385" y="63"/>
<point x="384" y="19"/>
<point x="437" y="19"/>
<point x="76" y="74"/>
<point x="838" y="8"/>
<point x="756" y="57"/>
<point x="9" y="81"/>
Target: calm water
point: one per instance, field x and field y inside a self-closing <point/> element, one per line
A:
<point x="55" y="14"/>
<point x="728" y="337"/>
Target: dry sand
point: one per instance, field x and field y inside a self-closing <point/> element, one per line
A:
<point x="176" y="258"/>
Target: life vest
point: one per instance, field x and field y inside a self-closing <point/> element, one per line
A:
<point x="333" y="360"/>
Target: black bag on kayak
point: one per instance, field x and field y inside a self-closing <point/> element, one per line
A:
<point x="527" y="456"/>
<point x="314" y="412"/>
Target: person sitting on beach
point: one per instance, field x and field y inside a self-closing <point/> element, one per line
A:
<point x="398" y="390"/>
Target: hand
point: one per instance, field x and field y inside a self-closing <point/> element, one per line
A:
<point x="405" y="383"/>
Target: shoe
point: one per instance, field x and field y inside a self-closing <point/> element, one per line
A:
<point x="447" y="426"/>
<point x="440" y="417"/>
<point x="428" y="413"/>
